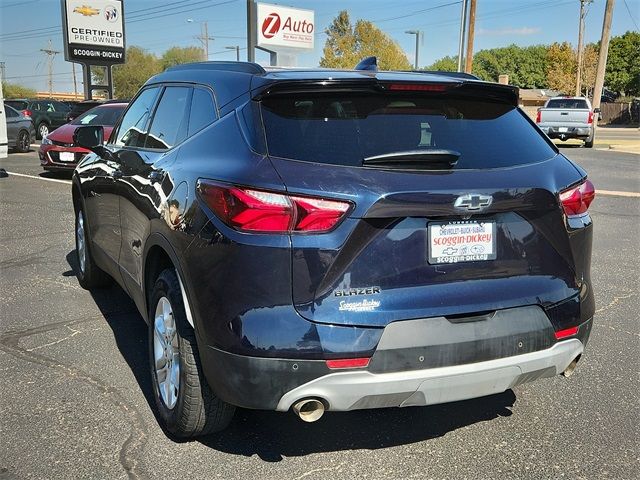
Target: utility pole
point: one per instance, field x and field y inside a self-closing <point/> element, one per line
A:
<point x="417" y="33"/>
<point x="51" y="55"/>
<point x="75" y="83"/>
<point x="2" y="71"/>
<point x="604" y="50"/>
<point x="583" y="14"/>
<point x="463" y="28"/>
<point x="203" y="37"/>
<point x="472" y="26"/>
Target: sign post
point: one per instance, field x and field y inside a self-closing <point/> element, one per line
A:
<point x="93" y="35"/>
<point x="284" y="32"/>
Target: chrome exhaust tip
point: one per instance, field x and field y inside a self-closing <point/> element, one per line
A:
<point x="571" y="368"/>
<point x="309" y="409"/>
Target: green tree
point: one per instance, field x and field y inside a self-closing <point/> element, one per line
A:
<point x="13" y="90"/>
<point x="561" y="67"/>
<point x="178" y="55"/>
<point x="526" y="66"/>
<point x="346" y="45"/>
<point x="129" y="77"/>
<point x="445" y="64"/>
<point x="623" y="64"/>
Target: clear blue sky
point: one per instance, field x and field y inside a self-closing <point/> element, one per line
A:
<point x="163" y="24"/>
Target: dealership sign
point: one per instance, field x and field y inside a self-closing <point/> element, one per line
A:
<point x="285" y="28"/>
<point x="93" y="31"/>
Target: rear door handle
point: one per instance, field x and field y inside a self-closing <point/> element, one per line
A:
<point x="116" y="174"/>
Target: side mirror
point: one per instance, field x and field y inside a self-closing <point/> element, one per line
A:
<point x="596" y="110"/>
<point x="89" y="137"/>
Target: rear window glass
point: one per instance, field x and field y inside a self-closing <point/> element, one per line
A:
<point x="567" y="103"/>
<point x="17" y="104"/>
<point x="100" y="116"/>
<point x="343" y="129"/>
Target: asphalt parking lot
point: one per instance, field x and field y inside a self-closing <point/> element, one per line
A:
<point x="76" y="400"/>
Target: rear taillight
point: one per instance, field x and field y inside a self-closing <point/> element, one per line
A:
<point x="590" y="120"/>
<point x="26" y="113"/>
<point x="262" y="211"/>
<point x="576" y="200"/>
<point x="539" y="117"/>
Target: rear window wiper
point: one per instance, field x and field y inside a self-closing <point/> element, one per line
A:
<point x="414" y="160"/>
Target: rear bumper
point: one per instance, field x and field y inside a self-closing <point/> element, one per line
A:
<point x="407" y="368"/>
<point x="355" y="390"/>
<point x="569" y="132"/>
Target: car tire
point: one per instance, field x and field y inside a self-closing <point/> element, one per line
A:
<point x="185" y="404"/>
<point x="89" y="275"/>
<point x="588" y="143"/>
<point x="23" y="143"/>
<point x="42" y="130"/>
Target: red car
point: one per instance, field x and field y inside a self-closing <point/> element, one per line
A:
<point x="57" y="151"/>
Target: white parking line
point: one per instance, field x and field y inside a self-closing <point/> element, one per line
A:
<point x="606" y="193"/>
<point x="35" y="177"/>
<point x="616" y="193"/>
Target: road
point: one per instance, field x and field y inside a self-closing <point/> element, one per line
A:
<point x="76" y="400"/>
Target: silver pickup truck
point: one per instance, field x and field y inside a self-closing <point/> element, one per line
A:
<point x="568" y="117"/>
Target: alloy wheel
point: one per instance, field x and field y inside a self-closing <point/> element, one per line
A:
<point x="166" y="353"/>
<point x="80" y="242"/>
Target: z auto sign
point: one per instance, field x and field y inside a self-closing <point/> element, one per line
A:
<point x="93" y="31"/>
<point x="285" y="28"/>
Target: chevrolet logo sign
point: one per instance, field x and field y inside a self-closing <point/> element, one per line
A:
<point x="86" y="10"/>
<point x="473" y="202"/>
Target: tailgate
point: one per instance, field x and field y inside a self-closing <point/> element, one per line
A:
<point x="564" y="117"/>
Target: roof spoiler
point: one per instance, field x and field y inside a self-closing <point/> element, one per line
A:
<point x="242" y="67"/>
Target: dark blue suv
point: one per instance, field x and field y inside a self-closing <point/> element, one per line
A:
<point x="335" y="240"/>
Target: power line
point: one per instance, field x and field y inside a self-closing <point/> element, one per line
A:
<point x="631" y="16"/>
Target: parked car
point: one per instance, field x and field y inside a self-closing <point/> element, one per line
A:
<point x="47" y="115"/>
<point x="59" y="152"/>
<point x="568" y="117"/>
<point x="20" y="130"/>
<point x="335" y="240"/>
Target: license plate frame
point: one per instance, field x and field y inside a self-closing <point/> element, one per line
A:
<point x="67" y="157"/>
<point x="461" y="241"/>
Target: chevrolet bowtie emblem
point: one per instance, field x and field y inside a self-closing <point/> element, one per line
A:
<point x="86" y="10"/>
<point x="473" y="202"/>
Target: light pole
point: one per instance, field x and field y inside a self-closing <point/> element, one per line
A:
<point x="203" y="37"/>
<point x="237" y="49"/>
<point x="417" y="33"/>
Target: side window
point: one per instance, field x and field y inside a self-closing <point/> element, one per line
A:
<point x="133" y="127"/>
<point x="203" y="110"/>
<point x="10" y="112"/>
<point x="36" y="106"/>
<point x="169" y="124"/>
<point x="49" y="107"/>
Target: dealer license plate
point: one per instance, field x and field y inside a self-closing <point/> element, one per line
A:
<point x="67" y="156"/>
<point x="461" y="241"/>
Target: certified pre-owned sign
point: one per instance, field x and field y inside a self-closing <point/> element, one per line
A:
<point x="94" y="31"/>
<point x="283" y="27"/>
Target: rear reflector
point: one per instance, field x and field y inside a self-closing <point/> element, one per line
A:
<point x="567" y="332"/>
<point x="576" y="200"/>
<point x="348" y="363"/>
<point x="262" y="211"/>
<point x="419" y="87"/>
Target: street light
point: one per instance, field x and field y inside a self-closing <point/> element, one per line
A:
<point x="417" y="34"/>
<point x="237" y="49"/>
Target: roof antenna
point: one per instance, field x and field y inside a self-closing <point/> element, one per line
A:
<point x="369" y="63"/>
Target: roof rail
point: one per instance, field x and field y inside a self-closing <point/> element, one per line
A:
<point x="242" y="67"/>
<point x="368" y="63"/>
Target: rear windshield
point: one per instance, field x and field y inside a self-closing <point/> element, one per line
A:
<point x="99" y="116"/>
<point x="567" y="103"/>
<point x="343" y="129"/>
<point x="17" y="104"/>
